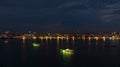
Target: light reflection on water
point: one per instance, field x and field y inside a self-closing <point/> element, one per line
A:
<point x="51" y="51"/>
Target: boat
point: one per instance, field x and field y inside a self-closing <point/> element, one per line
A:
<point x="36" y="44"/>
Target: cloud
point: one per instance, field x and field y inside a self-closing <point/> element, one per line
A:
<point x="111" y="14"/>
<point x="62" y="14"/>
<point x="33" y="4"/>
<point x="70" y="4"/>
<point x="114" y="6"/>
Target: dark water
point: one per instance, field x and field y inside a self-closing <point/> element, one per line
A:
<point x="85" y="53"/>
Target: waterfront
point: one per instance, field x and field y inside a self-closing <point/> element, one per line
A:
<point x="82" y="53"/>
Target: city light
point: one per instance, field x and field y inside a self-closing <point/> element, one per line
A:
<point x="34" y="37"/>
<point x="50" y="37"/>
<point x="67" y="37"/>
<point x="104" y="38"/>
<point x="96" y="38"/>
<point x="73" y="38"/>
<point x="25" y="36"/>
<point x="41" y="37"/>
<point x="83" y="37"/>
<point x="46" y="37"/>
<point x="58" y="37"/>
<point x="89" y="38"/>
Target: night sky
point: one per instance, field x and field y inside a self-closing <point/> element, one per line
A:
<point x="60" y="15"/>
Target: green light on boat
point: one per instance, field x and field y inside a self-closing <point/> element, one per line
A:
<point x="66" y="55"/>
<point x="66" y="51"/>
<point x="36" y="45"/>
<point x="63" y="51"/>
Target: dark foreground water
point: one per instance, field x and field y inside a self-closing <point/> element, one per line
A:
<point x="51" y="53"/>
